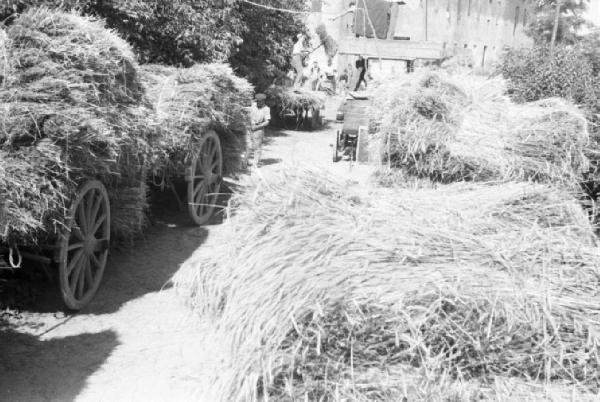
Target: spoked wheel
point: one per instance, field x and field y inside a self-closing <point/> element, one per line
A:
<point x="336" y="146"/>
<point x="204" y="178"/>
<point x="83" y="247"/>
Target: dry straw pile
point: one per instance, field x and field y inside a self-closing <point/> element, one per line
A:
<point x="462" y="127"/>
<point x="4" y="45"/>
<point x="466" y="291"/>
<point x="70" y="110"/>
<point x="190" y="101"/>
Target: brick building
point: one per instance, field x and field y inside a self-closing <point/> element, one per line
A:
<point x="423" y="30"/>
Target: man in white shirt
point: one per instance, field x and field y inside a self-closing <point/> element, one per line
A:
<point x="297" y="55"/>
<point x="260" y="117"/>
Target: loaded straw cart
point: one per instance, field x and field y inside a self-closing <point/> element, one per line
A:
<point x="77" y="142"/>
<point x="73" y="147"/>
<point x="296" y="105"/>
<point x="201" y="118"/>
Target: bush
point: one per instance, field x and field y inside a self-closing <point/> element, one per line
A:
<point x="573" y="73"/>
<point x="534" y="75"/>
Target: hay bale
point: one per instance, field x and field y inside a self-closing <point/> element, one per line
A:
<point x="71" y="111"/>
<point x="329" y="295"/>
<point x="462" y="127"/>
<point x="190" y="101"/>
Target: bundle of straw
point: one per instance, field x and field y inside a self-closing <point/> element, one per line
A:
<point x="71" y="110"/>
<point x="4" y="65"/>
<point x="330" y="295"/>
<point x="190" y="101"/>
<point x="461" y="127"/>
<point x="284" y="100"/>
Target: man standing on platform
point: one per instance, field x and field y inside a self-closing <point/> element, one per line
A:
<point x="361" y="69"/>
<point x="297" y="57"/>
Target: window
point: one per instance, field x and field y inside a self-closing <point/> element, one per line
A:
<point x="524" y="18"/>
<point x="466" y="46"/>
<point x="517" y="9"/>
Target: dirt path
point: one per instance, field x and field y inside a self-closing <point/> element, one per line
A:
<point x="136" y="341"/>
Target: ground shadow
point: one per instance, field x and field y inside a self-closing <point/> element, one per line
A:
<point x="272" y="134"/>
<point x="276" y="132"/>
<point x="270" y="161"/>
<point x="53" y="376"/>
<point x="144" y="266"/>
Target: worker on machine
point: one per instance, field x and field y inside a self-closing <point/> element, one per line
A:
<point x="298" y="53"/>
<point x="361" y="69"/>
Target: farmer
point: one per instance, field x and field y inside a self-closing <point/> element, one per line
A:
<point x="361" y="69"/>
<point x="260" y="116"/>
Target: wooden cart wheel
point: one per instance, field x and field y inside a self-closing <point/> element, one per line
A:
<point x="83" y="247"/>
<point x="204" y="178"/>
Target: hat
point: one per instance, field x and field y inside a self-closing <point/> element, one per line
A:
<point x="260" y="97"/>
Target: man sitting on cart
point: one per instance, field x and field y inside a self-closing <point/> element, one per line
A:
<point x="260" y="116"/>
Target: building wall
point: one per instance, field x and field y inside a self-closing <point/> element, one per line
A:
<point x="478" y="28"/>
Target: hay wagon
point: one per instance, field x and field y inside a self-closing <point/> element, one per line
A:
<point x="295" y="108"/>
<point x="201" y="117"/>
<point x="202" y="170"/>
<point x="78" y="143"/>
<point x="80" y="248"/>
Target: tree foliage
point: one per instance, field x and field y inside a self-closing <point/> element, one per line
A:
<point x="162" y="31"/>
<point x="570" y="23"/>
<point x="534" y="75"/>
<point x="256" y="41"/>
<point x="268" y="38"/>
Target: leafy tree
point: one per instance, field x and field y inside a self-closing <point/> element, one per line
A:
<point x="570" y="21"/>
<point x="534" y="75"/>
<point x="256" y="41"/>
<point x="267" y="40"/>
<point x="173" y="31"/>
<point x="162" y="31"/>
